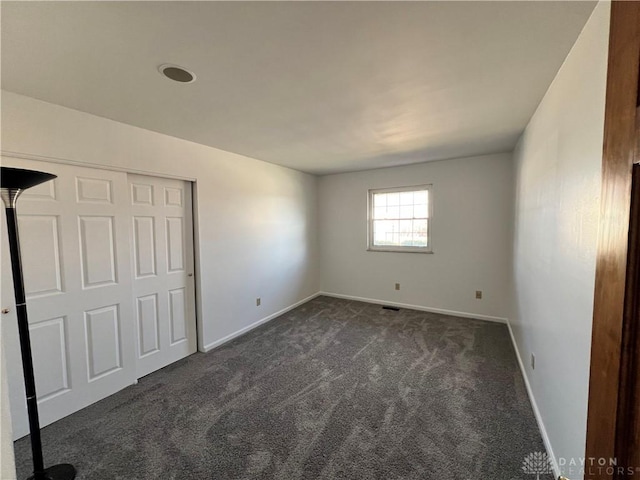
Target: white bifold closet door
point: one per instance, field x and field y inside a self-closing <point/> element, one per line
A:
<point x="163" y="271"/>
<point x="109" y="295"/>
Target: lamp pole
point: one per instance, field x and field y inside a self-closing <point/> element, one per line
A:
<point x="13" y="181"/>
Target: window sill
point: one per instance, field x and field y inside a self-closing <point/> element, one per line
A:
<point x="399" y="250"/>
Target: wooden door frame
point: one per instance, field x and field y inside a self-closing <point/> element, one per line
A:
<point x="614" y="407"/>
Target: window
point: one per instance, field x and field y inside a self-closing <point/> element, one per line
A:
<point x="399" y="219"/>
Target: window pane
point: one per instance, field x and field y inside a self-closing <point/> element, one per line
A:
<point x="406" y="240"/>
<point x="379" y="200"/>
<point x="393" y="212"/>
<point x="406" y="198"/>
<point x="419" y="240"/>
<point x="385" y="232"/>
<point x="379" y="212"/>
<point x="393" y="199"/>
<point x="406" y="226"/>
<point x="406" y="211"/>
<point x="421" y="226"/>
<point x="420" y="197"/>
<point x="420" y="211"/>
<point x="379" y="238"/>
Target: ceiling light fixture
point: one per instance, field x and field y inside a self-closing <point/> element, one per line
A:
<point x="176" y="73"/>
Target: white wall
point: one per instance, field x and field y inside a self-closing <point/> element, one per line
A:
<point x="558" y="163"/>
<point x="256" y="221"/>
<point x="472" y="226"/>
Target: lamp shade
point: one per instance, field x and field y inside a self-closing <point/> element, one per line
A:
<point x="20" y="179"/>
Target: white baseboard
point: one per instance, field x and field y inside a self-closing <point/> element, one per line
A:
<point x="417" y="307"/>
<point x="536" y="411"/>
<point x="242" y="331"/>
<point x="248" y="328"/>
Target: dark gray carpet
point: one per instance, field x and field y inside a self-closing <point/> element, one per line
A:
<point x="334" y="389"/>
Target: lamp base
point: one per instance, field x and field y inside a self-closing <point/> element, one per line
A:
<point x="64" y="471"/>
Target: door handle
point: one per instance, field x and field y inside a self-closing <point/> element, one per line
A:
<point x="190" y="275"/>
<point x="5" y="311"/>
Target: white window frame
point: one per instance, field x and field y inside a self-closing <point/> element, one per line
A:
<point x="389" y="248"/>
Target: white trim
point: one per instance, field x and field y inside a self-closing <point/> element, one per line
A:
<point x="418" y="307"/>
<point x="65" y="161"/>
<point x="404" y="188"/>
<point x="534" y="405"/>
<point x="242" y="331"/>
<point x="400" y="249"/>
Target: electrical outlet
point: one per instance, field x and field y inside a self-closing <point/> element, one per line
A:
<point x="397" y="286"/>
<point x="479" y="294"/>
<point x="533" y="362"/>
<point x="258" y="302"/>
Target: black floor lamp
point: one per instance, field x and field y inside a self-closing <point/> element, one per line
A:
<point x="13" y="181"/>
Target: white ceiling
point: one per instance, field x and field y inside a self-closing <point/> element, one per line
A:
<point x="318" y="86"/>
